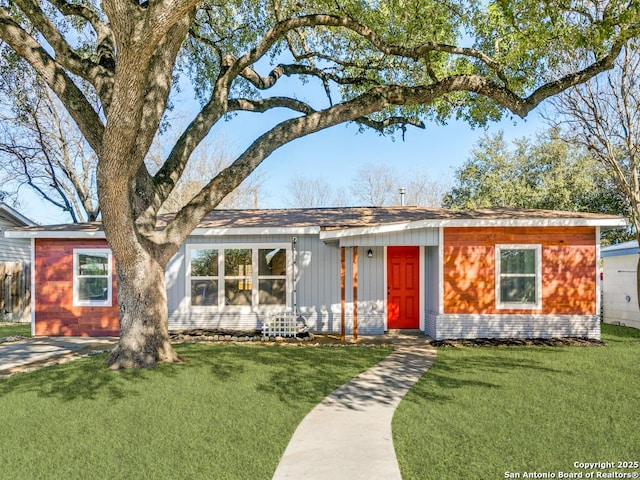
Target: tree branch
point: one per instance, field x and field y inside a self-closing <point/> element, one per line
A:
<point x="155" y="101"/>
<point x="415" y="53"/>
<point x="382" y="125"/>
<point x="64" y="54"/>
<point x="262" y="105"/>
<point x="553" y="88"/>
<point x="105" y="43"/>
<point x="264" y="83"/>
<point x="168" y="175"/>
<point x="56" y="78"/>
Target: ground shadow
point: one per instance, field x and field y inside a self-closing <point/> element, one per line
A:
<point x="293" y="374"/>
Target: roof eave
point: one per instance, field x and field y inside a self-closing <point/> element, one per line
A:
<point x="16" y="216"/>
<point x="71" y="235"/>
<point x="617" y="222"/>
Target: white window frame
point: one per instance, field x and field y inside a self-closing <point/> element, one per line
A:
<point x="77" y="302"/>
<point x="255" y="277"/>
<point x="537" y="305"/>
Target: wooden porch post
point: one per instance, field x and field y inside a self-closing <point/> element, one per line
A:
<point x="355" y="294"/>
<point x="342" y="293"/>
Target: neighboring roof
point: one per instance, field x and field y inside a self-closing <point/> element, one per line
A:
<point x="625" y="248"/>
<point x="14" y="216"/>
<point x="337" y="222"/>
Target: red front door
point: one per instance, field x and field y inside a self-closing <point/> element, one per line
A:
<point x="403" y="287"/>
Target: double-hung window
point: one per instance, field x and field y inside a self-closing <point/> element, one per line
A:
<point x="238" y="276"/>
<point x="519" y="276"/>
<point x="92" y="283"/>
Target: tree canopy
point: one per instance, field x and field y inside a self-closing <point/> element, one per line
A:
<point x="385" y="64"/>
<point x="546" y="172"/>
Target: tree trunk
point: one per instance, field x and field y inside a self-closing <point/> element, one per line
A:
<point x="142" y="302"/>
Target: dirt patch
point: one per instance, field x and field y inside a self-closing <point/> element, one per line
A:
<point x="519" y="342"/>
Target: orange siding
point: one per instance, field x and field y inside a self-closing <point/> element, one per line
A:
<point x="54" y="310"/>
<point x="568" y="268"/>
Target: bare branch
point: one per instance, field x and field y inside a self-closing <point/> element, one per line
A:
<point x="553" y="88"/>
<point x="56" y="78"/>
<point x="167" y="177"/>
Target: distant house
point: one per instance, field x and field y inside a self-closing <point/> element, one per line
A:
<point x="13" y="249"/>
<point x="451" y="274"/>
<point x="15" y="259"/>
<point x="619" y="292"/>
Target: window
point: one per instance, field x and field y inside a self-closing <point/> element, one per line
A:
<point x="272" y="276"/>
<point x="204" y="277"/>
<point x="92" y="277"/>
<point x="238" y="276"/>
<point x="518" y="276"/>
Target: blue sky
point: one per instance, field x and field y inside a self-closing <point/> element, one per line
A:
<point x="334" y="154"/>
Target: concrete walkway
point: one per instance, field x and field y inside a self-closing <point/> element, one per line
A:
<point x="348" y="436"/>
<point x="39" y="351"/>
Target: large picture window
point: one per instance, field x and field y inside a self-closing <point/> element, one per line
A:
<point x="518" y="276"/>
<point x="92" y="277"/>
<point x="238" y="276"/>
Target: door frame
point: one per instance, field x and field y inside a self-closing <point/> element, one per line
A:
<point x="421" y="285"/>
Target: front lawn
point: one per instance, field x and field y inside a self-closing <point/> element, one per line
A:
<point x="227" y="414"/>
<point x="486" y="412"/>
<point x="8" y="329"/>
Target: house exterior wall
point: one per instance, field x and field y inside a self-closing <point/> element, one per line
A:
<point x="568" y="281"/>
<point x="55" y="313"/>
<point x="315" y="279"/>
<point x="13" y="249"/>
<point x="432" y="287"/>
<point x="458" y="282"/>
<point x="619" y="293"/>
<point x="315" y="276"/>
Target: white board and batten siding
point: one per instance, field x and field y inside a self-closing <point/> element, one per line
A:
<point x="315" y="275"/>
<point x="315" y="267"/>
<point x="402" y="238"/>
<point x="432" y="289"/>
<point x="619" y="292"/>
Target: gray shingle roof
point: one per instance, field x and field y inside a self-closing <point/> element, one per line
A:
<point x="343" y="218"/>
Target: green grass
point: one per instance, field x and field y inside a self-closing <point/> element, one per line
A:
<point x="481" y="412"/>
<point x="226" y="414"/>
<point x="12" y="329"/>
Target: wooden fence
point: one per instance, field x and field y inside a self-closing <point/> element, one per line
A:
<point x="15" y="291"/>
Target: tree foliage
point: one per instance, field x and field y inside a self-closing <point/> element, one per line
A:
<point x="545" y="172"/>
<point x="385" y="64"/>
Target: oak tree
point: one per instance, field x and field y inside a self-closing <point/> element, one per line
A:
<point x="385" y="64"/>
